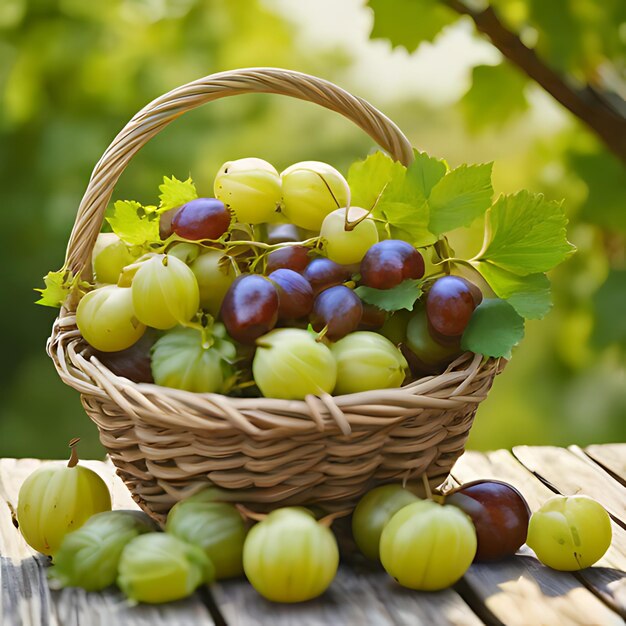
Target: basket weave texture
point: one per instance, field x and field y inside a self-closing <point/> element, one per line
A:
<point x="167" y="444"/>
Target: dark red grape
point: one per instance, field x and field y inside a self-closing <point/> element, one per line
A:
<point x="323" y="273"/>
<point x="132" y="363"/>
<point x="202" y="218"/>
<point x="294" y="258"/>
<point x="165" y="223"/>
<point x="295" y="295"/>
<point x="449" y="305"/>
<point x="500" y="515"/>
<point x="477" y="294"/>
<point x="249" y="308"/>
<point x="431" y="353"/>
<point x="281" y="233"/>
<point x="338" y="308"/>
<point x="373" y="318"/>
<point x="387" y="263"/>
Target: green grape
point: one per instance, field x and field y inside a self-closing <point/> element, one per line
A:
<point x="290" y="364"/>
<point x="421" y="343"/>
<point x="165" y="292"/>
<point x="56" y="499"/>
<point x="106" y="319"/>
<point x="110" y="256"/>
<point x="88" y="557"/>
<point x="290" y="557"/>
<point x="215" y="274"/>
<point x="181" y="360"/>
<point x="217" y="527"/>
<point x="373" y="511"/>
<point x="158" y="567"/>
<point x="186" y="252"/>
<point x="250" y="187"/>
<point x="365" y="361"/>
<point x="427" y="546"/>
<point x="348" y="246"/>
<point x="395" y="325"/>
<point x="569" y="533"/>
<point x="311" y="190"/>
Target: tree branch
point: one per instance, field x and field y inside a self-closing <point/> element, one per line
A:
<point x="585" y="103"/>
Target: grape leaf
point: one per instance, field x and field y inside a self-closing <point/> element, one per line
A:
<point x="609" y="328"/>
<point x="134" y="224"/>
<point x="526" y="234"/>
<point x="409" y="22"/>
<point x="496" y="95"/>
<point x="402" y="296"/>
<point x="528" y="295"/>
<point x="460" y="197"/>
<point x="59" y="285"/>
<point x="428" y="171"/>
<point x="367" y="179"/>
<point x="493" y="329"/>
<point x="175" y="193"/>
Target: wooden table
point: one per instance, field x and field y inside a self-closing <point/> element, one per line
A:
<point x="516" y="591"/>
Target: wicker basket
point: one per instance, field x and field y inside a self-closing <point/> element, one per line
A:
<point x="166" y="443"/>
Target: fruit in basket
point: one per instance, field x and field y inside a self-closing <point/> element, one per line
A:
<point x="107" y="320"/>
<point x="366" y="361"/>
<point x="290" y="364"/>
<point x="427" y="546"/>
<point x="569" y="533"/>
<point x="202" y="218"/>
<point x="389" y="262"/>
<point x="215" y="274"/>
<point x="372" y="317"/>
<point x="250" y="307"/>
<point x="282" y="232"/>
<point x="217" y="527"/>
<point x="56" y="499"/>
<point x="165" y="292"/>
<point x="430" y="353"/>
<point x="347" y="243"/>
<point x="290" y="557"/>
<point x="500" y="515"/>
<point x="89" y="557"/>
<point x="311" y="190"/>
<point x="110" y="255"/>
<point x="373" y="512"/>
<point x="338" y="310"/>
<point x="323" y="273"/>
<point x="295" y="294"/>
<point x="158" y="567"/>
<point x="449" y="305"/>
<point x="134" y="362"/>
<point x="251" y="187"/>
<point x="294" y="258"/>
<point x="183" y="359"/>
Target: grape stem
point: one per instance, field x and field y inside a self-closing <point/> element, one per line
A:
<point x="74" y="455"/>
<point x="274" y="246"/>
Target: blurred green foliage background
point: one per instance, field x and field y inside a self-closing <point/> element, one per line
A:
<point x="73" y="72"/>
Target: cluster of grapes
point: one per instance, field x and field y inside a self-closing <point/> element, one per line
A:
<point x="290" y="555"/>
<point x="269" y="271"/>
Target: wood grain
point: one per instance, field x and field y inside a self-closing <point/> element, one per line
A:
<point x="612" y="456"/>
<point x="571" y="474"/>
<point x="26" y="600"/>
<point x="606" y="579"/>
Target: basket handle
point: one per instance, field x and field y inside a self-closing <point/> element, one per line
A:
<point x="160" y="112"/>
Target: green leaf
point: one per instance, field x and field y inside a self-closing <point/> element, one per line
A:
<point x="59" y="285"/>
<point x="496" y="96"/>
<point x="428" y="171"/>
<point x="409" y="22"/>
<point x="175" y="193"/>
<point x="609" y="304"/>
<point x="527" y="234"/>
<point x="402" y="296"/>
<point x="494" y="329"/>
<point x="134" y="224"/>
<point x="460" y="197"/>
<point x="367" y="179"/>
<point x="528" y="295"/>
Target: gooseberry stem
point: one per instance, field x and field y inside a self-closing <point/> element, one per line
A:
<point x="74" y="455"/>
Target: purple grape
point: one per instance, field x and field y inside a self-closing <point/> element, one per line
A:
<point x="295" y="295"/>
<point x="387" y="263"/>
<point x="202" y="218"/>
<point x="294" y="258"/>
<point x="323" y="273"/>
<point x="339" y="309"/>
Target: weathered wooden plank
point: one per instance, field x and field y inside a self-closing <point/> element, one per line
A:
<point x="606" y="579"/>
<point x="25" y="598"/>
<point x="612" y="456"/>
<point x="357" y="596"/>
<point x="571" y="474"/>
